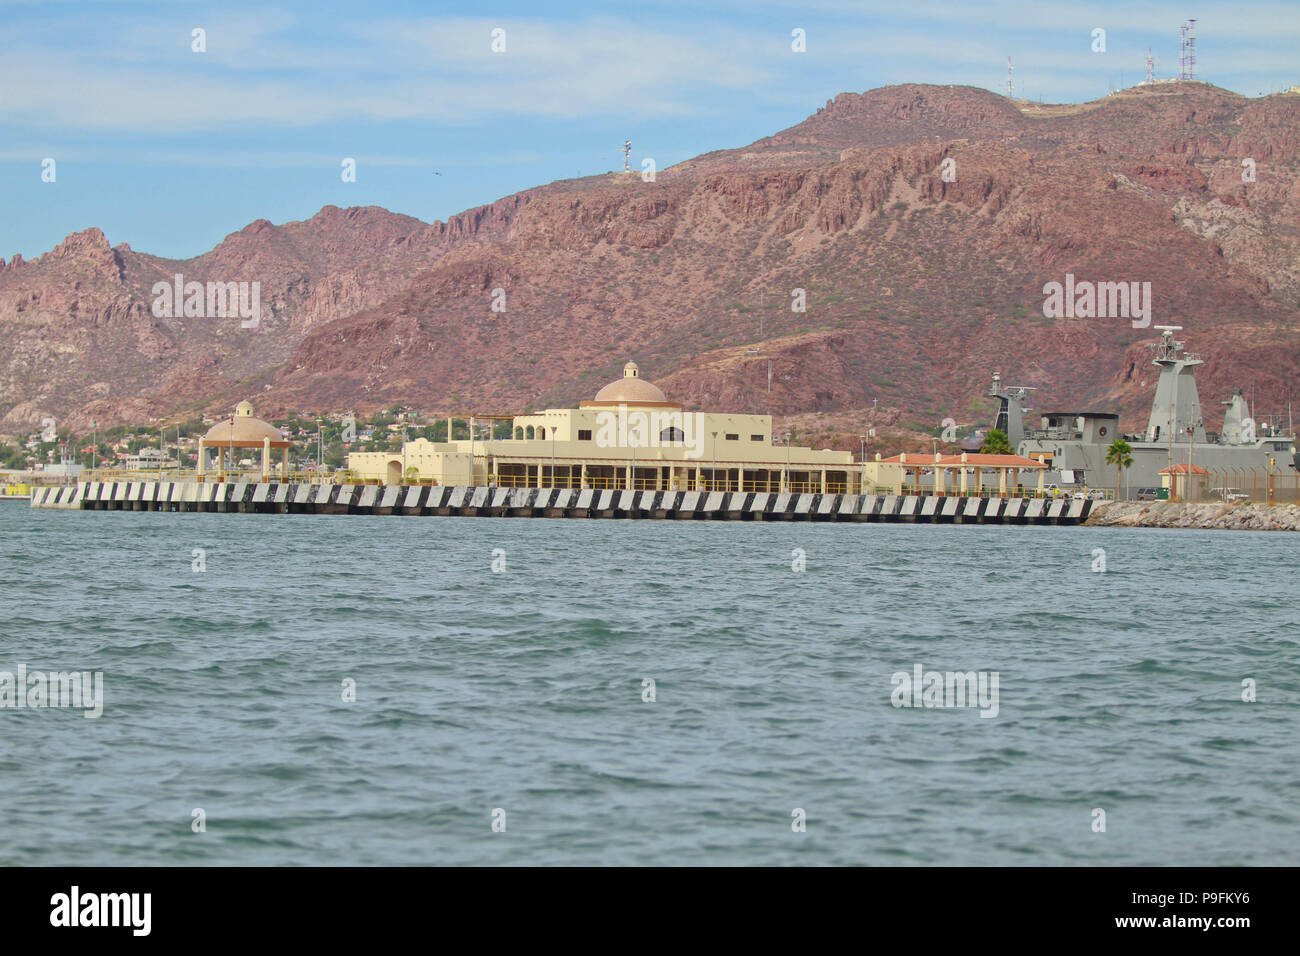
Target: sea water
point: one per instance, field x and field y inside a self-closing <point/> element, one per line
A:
<point x="386" y="690"/>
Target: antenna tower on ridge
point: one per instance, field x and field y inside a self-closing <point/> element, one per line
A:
<point x="627" y="151"/>
<point x="1187" y="61"/>
<point x="1010" y="70"/>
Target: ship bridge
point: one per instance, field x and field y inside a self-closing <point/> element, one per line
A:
<point x="1077" y="426"/>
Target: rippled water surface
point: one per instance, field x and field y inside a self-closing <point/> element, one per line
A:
<point x="522" y="690"/>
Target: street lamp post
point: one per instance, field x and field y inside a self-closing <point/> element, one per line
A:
<point x="632" y="444"/>
<point x="94" y="443"/>
<point x="787" y="461"/>
<point x="862" y="477"/>
<point x="552" y="458"/>
<point x="713" y="475"/>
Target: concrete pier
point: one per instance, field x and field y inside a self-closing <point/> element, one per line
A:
<point x="271" y="498"/>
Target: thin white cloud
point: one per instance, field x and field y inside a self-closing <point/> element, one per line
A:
<point x="268" y="68"/>
<point x="254" y="159"/>
<point x="427" y="69"/>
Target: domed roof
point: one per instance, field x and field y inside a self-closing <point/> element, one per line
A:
<point x="245" y="430"/>
<point x="631" y="389"/>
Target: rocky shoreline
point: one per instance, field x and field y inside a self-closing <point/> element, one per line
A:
<point x="1167" y="514"/>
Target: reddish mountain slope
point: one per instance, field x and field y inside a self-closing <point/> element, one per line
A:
<point x="917" y="288"/>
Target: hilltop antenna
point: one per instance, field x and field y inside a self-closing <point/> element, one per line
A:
<point x="1187" y="61"/>
<point x="1010" y="69"/>
<point x="1151" y="67"/>
<point x="627" y="151"/>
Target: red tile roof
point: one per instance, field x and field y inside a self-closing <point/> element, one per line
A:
<point x="922" y="459"/>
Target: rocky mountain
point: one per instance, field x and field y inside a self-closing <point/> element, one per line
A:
<point x="921" y="224"/>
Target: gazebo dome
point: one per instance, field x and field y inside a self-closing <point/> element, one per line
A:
<point x="246" y="431"/>
<point x="631" y="389"/>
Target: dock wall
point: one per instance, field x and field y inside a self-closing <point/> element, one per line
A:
<point x="271" y="498"/>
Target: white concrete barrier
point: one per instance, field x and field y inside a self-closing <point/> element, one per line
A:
<point x="155" y="495"/>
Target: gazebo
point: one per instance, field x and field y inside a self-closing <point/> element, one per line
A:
<point x="242" y="430"/>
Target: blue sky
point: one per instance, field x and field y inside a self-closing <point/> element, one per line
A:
<point x="171" y="150"/>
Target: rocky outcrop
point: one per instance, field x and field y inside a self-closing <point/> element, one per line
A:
<point x="1172" y="514"/>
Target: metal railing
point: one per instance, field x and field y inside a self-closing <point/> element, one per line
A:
<point x="1257" y="485"/>
<point x="620" y="483"/>
<point x="1013" y="491"/>
<point x="175" y="474"/>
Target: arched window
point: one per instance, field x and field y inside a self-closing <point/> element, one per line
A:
<point x="672" y="433"/>
<point x="529" y="433"/>
<point x="519" y="433"/>
<point x="541" y="432"/>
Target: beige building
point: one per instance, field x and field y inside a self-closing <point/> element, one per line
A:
<point x="630" y="436"/>
<point x="1186" y="482"/>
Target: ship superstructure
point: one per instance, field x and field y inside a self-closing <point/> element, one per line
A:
<point x="1075" y="443"/>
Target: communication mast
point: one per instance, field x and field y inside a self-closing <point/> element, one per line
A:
<point x="627" y="151"/>
<point x="1187" y="60"/>
<point x="1010" y="70"/>
<point x="1151" y="67"/>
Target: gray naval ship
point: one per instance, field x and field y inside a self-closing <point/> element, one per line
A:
<point x="1075" y="443"/>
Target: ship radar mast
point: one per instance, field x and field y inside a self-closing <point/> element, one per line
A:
<point x="1176" y="408"/>
<point x="1011" y="408"/>
<point x="1168" y="347"/>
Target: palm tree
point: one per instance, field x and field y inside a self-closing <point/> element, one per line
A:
<point x="1119" y="454"/>
<point x="997" y="443"/>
